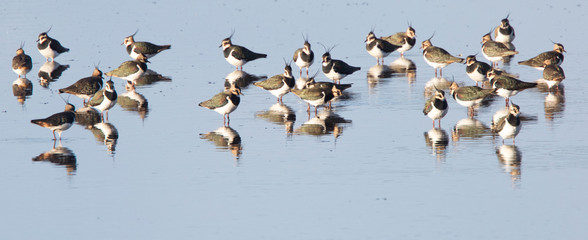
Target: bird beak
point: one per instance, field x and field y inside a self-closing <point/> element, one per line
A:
<point x="220" y="46"/>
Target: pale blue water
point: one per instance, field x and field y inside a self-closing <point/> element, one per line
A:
<point x="370" y="172"/>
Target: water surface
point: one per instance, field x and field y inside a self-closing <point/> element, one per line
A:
<point x="371" y="168"/>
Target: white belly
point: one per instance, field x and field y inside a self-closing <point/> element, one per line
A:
<point x="436" y="113"/>
<point x="492" y="59"/>
<point x="226" y="109"/>
<point x="405" y="47"/>
<point x="469" y="103"/>
<point x="551" y="83"/>
<point x="235" y="62"/>
<point x="509" y="131"/>
<point x="280" y="91"/>
<point x="378" y="53"/>
<point x="49" y="53"/>
<point x="61" y="127"/>
<point x="301" y="63"/>
<point x="334" y="75"/>
<point x="434" y="64"/>
<point x="504" y="38"/>
<point x="105" y="105"/>
<point x="316" y="102"/>
<point x="506" y="93"/>
<point x="133" y="77"/>
<point x="476" y="76"/>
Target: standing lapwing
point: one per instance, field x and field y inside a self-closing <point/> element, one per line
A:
<point x="58" y="122"/>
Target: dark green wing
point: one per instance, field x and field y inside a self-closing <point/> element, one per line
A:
<point x="470" y="93"/>
<point x="272" y="83"/>
<point x="397" y="39"/>
<point x="439" y="55"/>
<point x="218" y="100"/>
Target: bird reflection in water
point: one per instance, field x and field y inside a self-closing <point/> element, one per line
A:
<point x="60" y="156"/>
<point x="133" y="101"/>
<point x="225" y="138"/>
<point x="50" y="72"/>
<point x="325" y="122"/>
<point x="106" y="133"/>
<point x="22" y="88"/>
<point x="436" y="83"/>
<point x="437" y="139"/>
<point x="555" y="100"/>
<point x="150" y="77"/>
<point x="279" y="114"/>
<point x="469" y="128"/>
<point x="510" y="158"/>
<point x="87" y="116"/>
<point x="404" y="67"/>
<point x="401" y="67"/>
<point x="377" y="73"/>
<point x="241" y="79"/>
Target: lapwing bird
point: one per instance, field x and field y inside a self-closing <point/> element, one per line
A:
<point x="378" y="48"/>
<point x="304" y="57"/>
<point x="553" y="74"/>
<point x="134" y="49"/>
<point x="495" y="51"/>
<point x="406" y="40"/>
<point x="21" y="63"/>
<point x="336" y="69"/>
<point x="320" y="93"/>
<point x="279" y="85"/>
<point x="507" y="86"/>
<point x="556" y="56"/>
<point x="224" y="102"/>
<point x="104" y="100"/>
<point x="510" y="125"/>
<point x="476" y="70"/>
<point x="436" y="107"/>
<point x="130" y="70"/>
<point x="437" y="57"/>
<point x="504" y="33"/>
<point x="49" y="47"/>
<point x="58" y="122"/>
<point x="469" y="96"/>
<point x="237" y="55"/>
<point x="85" y="88"/>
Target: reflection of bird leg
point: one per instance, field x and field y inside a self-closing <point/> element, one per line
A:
<point x="506" y="102"/>
<point x="54" y="138"/>
<point x="439" y="122"/>
<point x="435" y="72"/>
<point x="308" y="108"/>
<point x="441" y="72"/>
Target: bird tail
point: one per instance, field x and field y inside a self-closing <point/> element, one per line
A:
<point x="164" y="47"/>
<point x="38" y="122"/>
<point x="528" y="84"/>
<point x="260" y="55"/>
<point x="343" y="86"/>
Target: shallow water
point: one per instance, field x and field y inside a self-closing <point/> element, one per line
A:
<point x="372" y="168"/>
